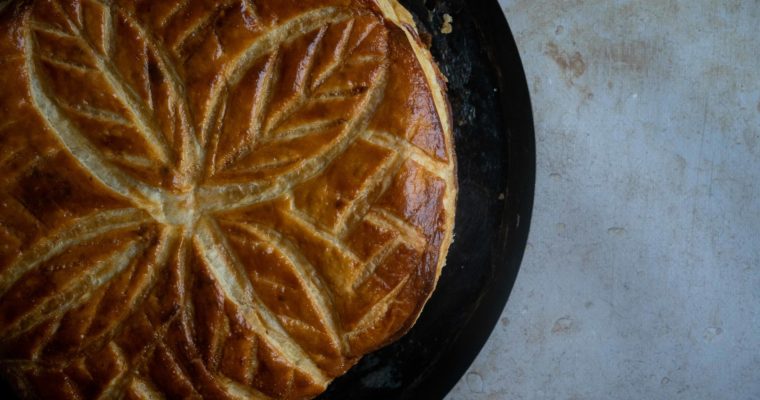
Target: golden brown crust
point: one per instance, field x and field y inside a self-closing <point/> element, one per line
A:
<point x="214" y="199"/>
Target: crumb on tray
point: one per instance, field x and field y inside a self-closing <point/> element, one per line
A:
<point x="446" y="28"/>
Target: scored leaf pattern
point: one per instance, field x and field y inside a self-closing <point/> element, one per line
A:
<point x="251" y="222"/>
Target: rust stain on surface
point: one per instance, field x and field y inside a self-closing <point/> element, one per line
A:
<point x="563" y="326"/>
<point x="572" y="65"/>
<point x="634" y="55"/>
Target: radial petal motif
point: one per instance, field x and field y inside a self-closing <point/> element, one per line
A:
<point x="214" y="199"/>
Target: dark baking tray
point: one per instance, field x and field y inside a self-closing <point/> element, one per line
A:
<point x="493" y="127"/>
<point x="496" y="164"/>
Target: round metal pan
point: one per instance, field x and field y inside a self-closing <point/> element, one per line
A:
<point x="496" y="166"/>
<point x="495" y="148"/>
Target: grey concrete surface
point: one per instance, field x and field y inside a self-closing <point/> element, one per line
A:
<point x="642" y="276"/>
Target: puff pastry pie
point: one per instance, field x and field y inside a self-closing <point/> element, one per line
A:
<point x="221" y="199"/>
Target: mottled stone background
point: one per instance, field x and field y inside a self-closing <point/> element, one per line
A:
<point x="642" y="275"/>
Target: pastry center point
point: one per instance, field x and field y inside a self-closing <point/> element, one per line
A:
<point x="179" y="209"/>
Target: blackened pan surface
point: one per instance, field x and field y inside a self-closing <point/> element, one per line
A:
<point x="495" y="148"/>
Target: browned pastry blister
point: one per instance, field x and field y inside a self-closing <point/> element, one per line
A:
<point x="214" y="199"/>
